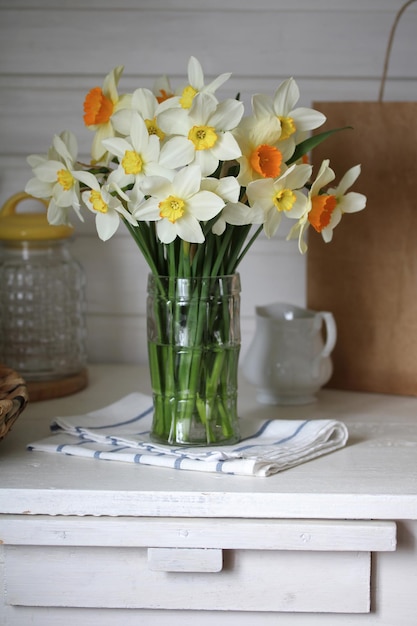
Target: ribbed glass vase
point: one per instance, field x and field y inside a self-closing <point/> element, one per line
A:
<point x="193" y="327"/>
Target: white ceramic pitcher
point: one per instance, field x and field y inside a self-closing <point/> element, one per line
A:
<point x="288" y="359"/>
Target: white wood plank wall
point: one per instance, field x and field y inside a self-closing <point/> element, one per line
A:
<point x="53" y="51"/>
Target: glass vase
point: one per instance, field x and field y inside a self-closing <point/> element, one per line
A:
<point x="193" y="327"/>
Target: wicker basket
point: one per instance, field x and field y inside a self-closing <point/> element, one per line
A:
<point x="13" y="398"/>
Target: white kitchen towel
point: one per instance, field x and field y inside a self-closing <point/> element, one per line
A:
<point x="120" y="432"/>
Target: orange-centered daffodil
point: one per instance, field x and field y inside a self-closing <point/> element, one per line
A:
<point x="266" y="160"/>
<point x="97" y="108"/>
<point x="322" y="208"/>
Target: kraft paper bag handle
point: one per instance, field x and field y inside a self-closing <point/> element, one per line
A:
<point x="389" y="47"/>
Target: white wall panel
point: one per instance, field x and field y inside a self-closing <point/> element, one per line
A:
<point x="304" y="43"/>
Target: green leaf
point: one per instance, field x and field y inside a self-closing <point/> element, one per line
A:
<point x="308" y="144"/>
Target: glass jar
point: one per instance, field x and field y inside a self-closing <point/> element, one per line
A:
<point x="42" y="296"/>
<point x="193" y="346"/>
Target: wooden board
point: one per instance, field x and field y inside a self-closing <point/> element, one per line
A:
<point x="48" y="389"/>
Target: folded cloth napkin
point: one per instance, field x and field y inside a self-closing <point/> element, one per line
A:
<point x="120" y="432"/>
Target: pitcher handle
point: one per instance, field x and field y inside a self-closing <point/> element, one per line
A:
<point x="331" y="332"/>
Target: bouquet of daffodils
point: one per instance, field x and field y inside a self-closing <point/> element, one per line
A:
<point x="190" y="175"/>
<point x="195" y="182"/>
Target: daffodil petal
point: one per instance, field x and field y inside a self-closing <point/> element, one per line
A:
<point x="150" y="149"/>
<point x="307" y="119"/>
<point x="128" y="216"/>
<point x="88" y="179"/>
<point x="39" y="188"/>
<point x="195" y="73"/>
<point x="166" y="231"/>
<point x="227" y="188"/>
<point x="261" y="192"/>
<point x="107" y="224"/>
<point x="144" y="101"/>
<point x="348" y="180"/>
<point x="189" y="229"/>
<point x="272" y="222"/>
<point x="217" y="82"/>
<point x="219" y="226"/>
<point x="299" y="207"/>
<point x="227" y="115"/>
<point x="122" y="120"/>
<point x="176" y="152"/>
<point x="157" y="186"/>
<point x="202" y="108"/>
<point x="297" y="176"/>
<point x="239" y="214"/>
<point x="117" y="146"/>
<point x="352" y="202"/>
<point x="286" y="97"/>
<point x="97" y="149"/>
<point x="48" y="171"/>
<point x="262" y="106"/>
<point x="111" y="81"/>
<point x="63" y="197"/>
<point x="63" y="151"/>
<point x="35" y="159"/>
<point x="174" y="122"/>
<point x="71" y="143"/>
<point x="324" y="177"/>
<point x="147" y="210"/>
<point x="139" y="133"/>
<point x="204" y="205"/>
<point x="226" y="147"/>
<point x="207" y="161"/>
<point x="187" y="181"/>
<point x="56" y="215"/>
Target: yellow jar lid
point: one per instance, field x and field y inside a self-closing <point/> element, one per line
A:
<point x="28" y="226"/>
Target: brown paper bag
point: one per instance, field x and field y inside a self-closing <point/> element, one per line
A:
<point x="367" y="276"/>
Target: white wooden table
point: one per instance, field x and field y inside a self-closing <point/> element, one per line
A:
<point x="332" y="541"/>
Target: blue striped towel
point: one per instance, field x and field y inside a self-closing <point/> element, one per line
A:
<point x="120" y="432"/>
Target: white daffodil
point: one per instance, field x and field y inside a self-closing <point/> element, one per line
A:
<point x="294" y="121"/>
<point x="55" y="178"/>
<point x="162" y="89"/>
<point x="206" y="128"/>
<point x="106" y="206"/>
<point x="263" y="154"/>
<point x="328" y="208"/>
<point x="100" y="104"/>
<point x="137" y="154"/>
<point x="196" y="83"/>
<point x="146" y="104"/>
<point x="318" y="219"/>
<point x="234" y="212"/>
<point x="281" y="196"/>
<point x="178" y="205"/>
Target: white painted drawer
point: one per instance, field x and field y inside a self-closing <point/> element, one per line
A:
<point x="242" y="565"/>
